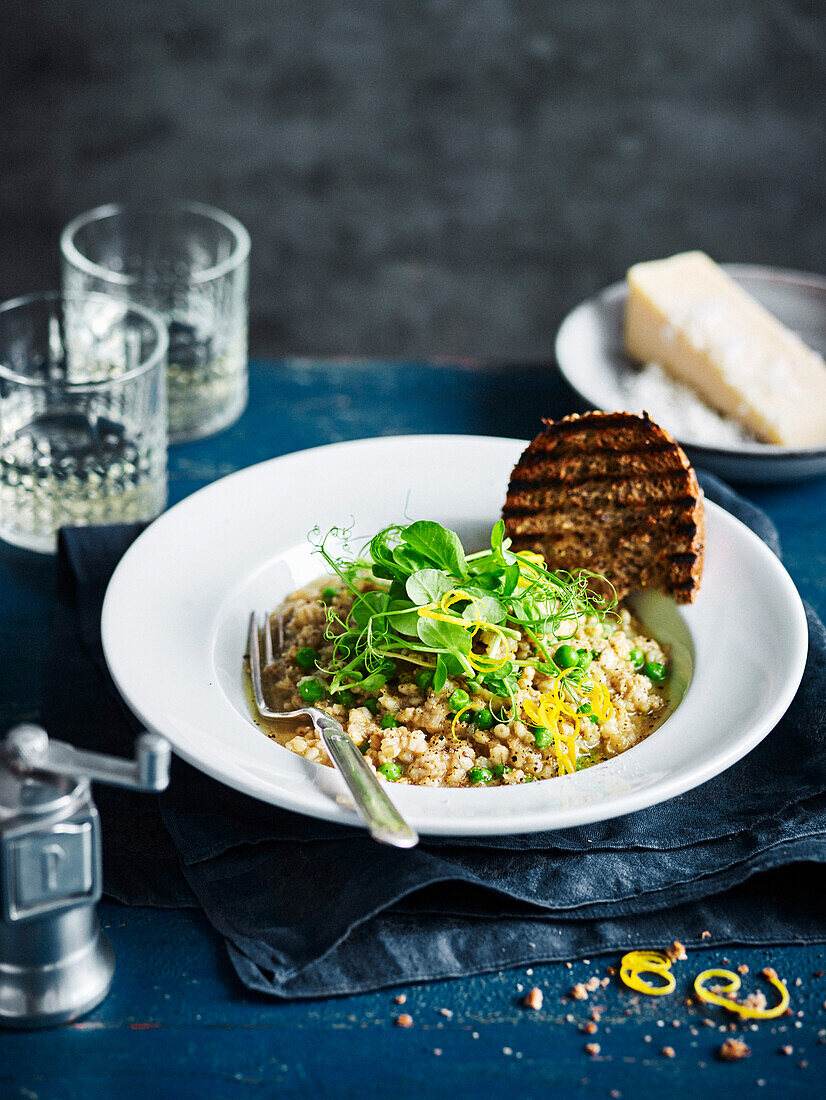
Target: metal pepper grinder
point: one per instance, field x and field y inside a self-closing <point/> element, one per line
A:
<point x="55" y="962"/>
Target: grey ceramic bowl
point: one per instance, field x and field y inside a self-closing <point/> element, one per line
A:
<point x="590" y="355"/>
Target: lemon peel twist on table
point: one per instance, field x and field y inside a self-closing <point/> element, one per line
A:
<point x="636" y="963"/>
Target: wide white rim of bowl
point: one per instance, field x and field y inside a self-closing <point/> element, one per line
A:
<point x="596" y="396"/>
<point x="174" y="621"/>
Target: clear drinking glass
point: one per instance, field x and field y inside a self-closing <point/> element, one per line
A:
<point x="82" y="415"/>
<point x="190" y="264"/>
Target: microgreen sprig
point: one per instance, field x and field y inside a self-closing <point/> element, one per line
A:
<point x="419" y="599"/>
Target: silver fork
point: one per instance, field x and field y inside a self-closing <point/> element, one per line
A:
<point x="380" y="816"/>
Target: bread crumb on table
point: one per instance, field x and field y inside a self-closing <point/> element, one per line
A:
<point x="404" y="1020"/>
<point x="733" y="1050"/>
<point x="676" y="952"/>
<point x="669" y="1052"/>
<point x="534" y="998"/>
<point x="705" y="935"/>
<point x="401" y="999"/>
<point x="593" y="1049"/>
<point x="579" y="992"/>
<point x="756" y="1000"/>
<point x="787" y="1050"/>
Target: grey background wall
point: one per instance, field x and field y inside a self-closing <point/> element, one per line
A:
<point x="422" y="177"/>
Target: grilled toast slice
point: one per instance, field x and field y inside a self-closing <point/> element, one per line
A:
<point x="615" y="494"/>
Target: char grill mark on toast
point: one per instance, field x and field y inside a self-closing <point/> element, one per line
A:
<point x="612" y="493"/>
<point x="555" y="467"/>
<point x="602" y="450"/>
<point x="631" y="494"/>
<point x="567" y="520"/>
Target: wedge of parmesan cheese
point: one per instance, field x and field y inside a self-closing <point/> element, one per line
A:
<point x="688" y="315"/>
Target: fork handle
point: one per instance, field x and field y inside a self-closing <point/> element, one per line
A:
<point x="381" y="817"/>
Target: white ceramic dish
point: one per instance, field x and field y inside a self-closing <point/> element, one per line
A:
<point x="175" y="620"/>
<point x="590" y="355"/>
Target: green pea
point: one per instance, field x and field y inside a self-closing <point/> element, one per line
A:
<point x="372" y="704"/>
<point x="584" y="658"/>
<point x="480" y="775"/>
<point x="424" y="679"/>
<point x="594" y="719"/>
<point x="329" y="593"/>
<point x="637" y="658"/>
<point x="388" y="668"/>
<point x="373" y="682"/>
<point x="345" y="697"/>
<point x="566" y="657"/>
<point x="473" y="686"/>
<point x="483" y="720"/>
<point x="310" y="689"/>
<point x="391" y="771"/>
<point x="544" y="738"/>
<point x="500" y="769"/>
<point x="306" y="658"/>
<point x="458" y="699"/>
<point x="388" y="722"/>
<point x="655" y="671"/>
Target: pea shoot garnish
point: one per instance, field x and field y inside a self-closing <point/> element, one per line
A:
<point x="422" y="605"/>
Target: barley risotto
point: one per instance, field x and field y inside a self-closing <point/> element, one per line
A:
<point x="458" y="670"/>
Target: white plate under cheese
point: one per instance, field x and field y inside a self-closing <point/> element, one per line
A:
<point x="688" y="315"/>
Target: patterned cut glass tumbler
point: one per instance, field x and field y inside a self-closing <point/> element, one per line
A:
<point x="82" y="415"/>
<point x="189" y="263"/>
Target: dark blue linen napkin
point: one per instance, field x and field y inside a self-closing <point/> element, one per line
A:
<point x="310" y="909"/>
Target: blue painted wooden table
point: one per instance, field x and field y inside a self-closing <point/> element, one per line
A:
<point x="177" y="1023"/>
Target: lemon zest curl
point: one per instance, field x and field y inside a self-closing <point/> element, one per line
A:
<point x="637" y="963"/>
<point x="724" y="996"/>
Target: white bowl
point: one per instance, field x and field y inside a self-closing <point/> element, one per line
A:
<point x="176" y="611"/>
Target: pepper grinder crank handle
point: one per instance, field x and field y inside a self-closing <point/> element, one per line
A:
<point x="55" y="962"/>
